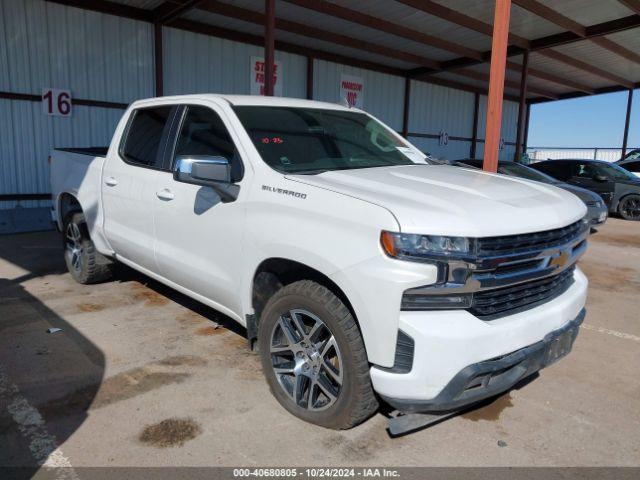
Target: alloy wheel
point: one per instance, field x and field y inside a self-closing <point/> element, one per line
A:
<point x="630" y="208"/>
<point x="306" y="360"/>
<point x="73" y="246"/>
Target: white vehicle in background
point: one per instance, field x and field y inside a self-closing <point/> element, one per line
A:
<point x="364" y="274"/>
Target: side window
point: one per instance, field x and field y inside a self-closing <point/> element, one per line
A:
<point x="557" y="170"/>
<point x="585" y="170"/>
<point x="204" y="133"/>
<point x="632" y="166"/>
<point x="144" y="135"/>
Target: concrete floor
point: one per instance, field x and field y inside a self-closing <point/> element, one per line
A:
<point x="143" y="376"/>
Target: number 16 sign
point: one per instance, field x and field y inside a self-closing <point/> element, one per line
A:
<point x="56" y="102"/>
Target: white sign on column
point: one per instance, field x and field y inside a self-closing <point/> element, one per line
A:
<point x="258" y="74"/>
<point x="352" y="90"/>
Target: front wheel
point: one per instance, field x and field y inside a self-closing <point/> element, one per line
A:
<point x="314" y="358"/>
<point x="629" y="207"/>
<point x="84" y="262"/>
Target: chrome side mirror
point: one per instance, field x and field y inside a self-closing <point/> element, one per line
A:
<point x="207" y="171"/>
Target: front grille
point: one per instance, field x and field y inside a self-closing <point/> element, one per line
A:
<point x="509" y="244"/>
<point x="593" y="203"/>
<point x="508" y="300"/>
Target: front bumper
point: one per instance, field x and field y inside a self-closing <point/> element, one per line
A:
<point x="485" y="379"/>
<point x="448" y="342"/>
<point x="597" y="215"/>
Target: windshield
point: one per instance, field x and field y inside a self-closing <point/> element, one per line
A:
<point x="527" y="173"/>
<point x="309" y="140"/>
<point x="609" y="170"/>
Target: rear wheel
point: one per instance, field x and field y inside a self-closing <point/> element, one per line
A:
<point x="83" y="261"/>
<point x="629" y="207"/>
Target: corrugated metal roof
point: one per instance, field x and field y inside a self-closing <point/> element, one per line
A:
<point x="522" y="23"/>
<point x="604" y="59"/>
<point x="578" y="11"/>
<point x="254" y="29"/>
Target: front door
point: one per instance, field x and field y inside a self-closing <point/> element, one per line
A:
<point x="129" y="178"/>
<point x="588" y="175"/>
<point x="198" y="237"/>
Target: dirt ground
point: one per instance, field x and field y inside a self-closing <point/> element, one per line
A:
<point x="139" y="375"/>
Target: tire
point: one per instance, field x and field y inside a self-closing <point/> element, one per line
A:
<point x="83" y="261"/>
<point x="337" y="369"/>
<point x="629" y="207"/>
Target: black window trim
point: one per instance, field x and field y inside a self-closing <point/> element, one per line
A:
<point x="180" y="116"/>
<point x="157" y="166"/>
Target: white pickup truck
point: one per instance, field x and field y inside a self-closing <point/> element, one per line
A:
<point x="363" y="273"/>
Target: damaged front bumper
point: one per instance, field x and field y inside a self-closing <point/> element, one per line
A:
<point x="484" y="380"/>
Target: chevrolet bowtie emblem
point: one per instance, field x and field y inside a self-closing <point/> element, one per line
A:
<point x="560" y="260"/>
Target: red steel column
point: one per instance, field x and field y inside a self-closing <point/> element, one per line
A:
<point x="309" y="78"/>
<point x="269" y="45"/>
<point x="496" y="84"/>
<point x="474" y="134"/>
<point x="405" y="113"/>
<point x="626" y="123"/>
<point x="157" y="55"/>
<point x="523" y="105"/>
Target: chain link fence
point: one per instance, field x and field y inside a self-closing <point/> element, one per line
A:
<point x="596" y="153"/>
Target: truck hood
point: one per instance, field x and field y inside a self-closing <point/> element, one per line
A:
<point x="445" y="200"/>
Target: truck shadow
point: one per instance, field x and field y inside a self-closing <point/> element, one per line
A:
<point x="37" y="366"/>
<point x="126" y="274"/>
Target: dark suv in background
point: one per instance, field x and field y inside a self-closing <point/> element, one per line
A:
<point x="619" y="188"/>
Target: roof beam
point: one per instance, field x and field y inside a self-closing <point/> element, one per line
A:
<point x="550" y="77"/>
<point x="110" y="8"/>
<point x="457" y="18"/>
<point x="251" y="16"/>
<point x="354" y="16"/>
<point x="597" y="91"/>
<point x="633" y="5"/>
<point x="561" y="57"/>
<point x="471" y="23"/>
<point x="484" y="77"/>
<point x="552" y="16"/>
<point x="173" y="9"/>
<point x="242" y="37"/>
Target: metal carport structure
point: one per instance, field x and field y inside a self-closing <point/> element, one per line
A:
<point x="555" y="49"/>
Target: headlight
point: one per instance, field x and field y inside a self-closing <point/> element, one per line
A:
<point x="410" y="246"/>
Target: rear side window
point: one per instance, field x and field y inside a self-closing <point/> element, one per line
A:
<point x="557" y="170"/>
<point x="203" y="133"/>
<point x="632" y="166"/>
<point x="144" y="135"/>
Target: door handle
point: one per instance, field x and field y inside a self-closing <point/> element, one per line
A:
<point x="165" y="194"/>
<point x="110" y="182"/>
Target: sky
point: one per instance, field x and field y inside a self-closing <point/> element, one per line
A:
<point x="595" y="121"/>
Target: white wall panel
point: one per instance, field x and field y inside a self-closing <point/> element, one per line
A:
<point x="434" y="108"/>
<point x="383" y="94"/>
<point x="508" y="130"/>
<point x="454" y="150"/>
<point x="27" y="137"/>
<point x="195" y="63"/>
<point x="96" y="56"/>
<point x="509" y="127"/>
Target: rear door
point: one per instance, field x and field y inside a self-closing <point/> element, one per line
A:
<point x="198" y="236"/>
<point x="129" y="178"/>
<point x="585" y="174"/>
